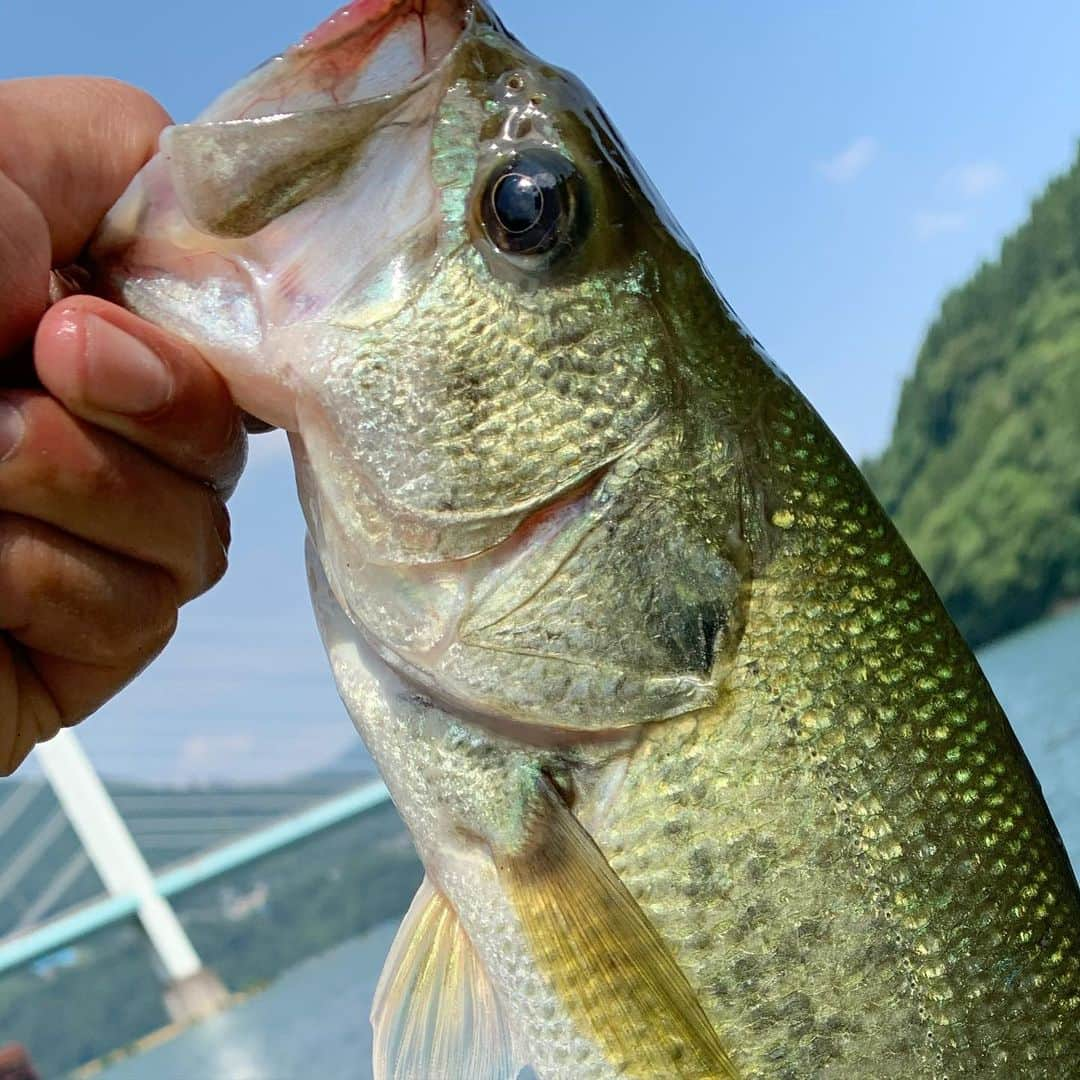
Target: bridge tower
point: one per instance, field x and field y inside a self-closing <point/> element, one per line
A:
<point x="192" y="991"/>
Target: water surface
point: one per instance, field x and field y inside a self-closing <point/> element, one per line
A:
<point x="311" y="1023"/>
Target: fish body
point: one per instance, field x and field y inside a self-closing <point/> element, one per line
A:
<point x="704" y="780"/>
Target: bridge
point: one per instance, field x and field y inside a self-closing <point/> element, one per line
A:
<point x="133" y="891"/>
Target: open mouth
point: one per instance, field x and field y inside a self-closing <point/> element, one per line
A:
<point x="366" y="49"/>
<point x="247" y="220"/>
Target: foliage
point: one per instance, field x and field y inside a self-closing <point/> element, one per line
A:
<point x="983" y="472"/>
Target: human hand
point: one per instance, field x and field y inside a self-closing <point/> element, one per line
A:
<point x="113" y="473"/>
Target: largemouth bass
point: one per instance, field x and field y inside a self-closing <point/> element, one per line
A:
<point x="705" y="782"/>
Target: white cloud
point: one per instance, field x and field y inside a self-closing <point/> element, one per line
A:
<point x="930" y="223"/>
<point x="974" y="179"/>
<point x="845" y="166"/>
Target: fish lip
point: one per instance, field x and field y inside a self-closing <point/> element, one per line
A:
<point x="390" y="101"/>
<point x="323" y="35"/>
<point x="316" y="40"/>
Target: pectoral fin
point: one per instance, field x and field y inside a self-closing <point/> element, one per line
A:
<point x="436" y="1015"/>
<point x="605" y="959"/>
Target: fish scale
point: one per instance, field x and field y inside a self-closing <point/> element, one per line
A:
<point x="704" y="780"/>
<point x="857" y="695"/>
<point x="538" y="394"/>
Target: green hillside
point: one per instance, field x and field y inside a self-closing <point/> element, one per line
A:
<point x="983" y="471"/>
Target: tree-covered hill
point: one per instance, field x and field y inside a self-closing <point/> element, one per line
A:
<point x="983" y="471"/>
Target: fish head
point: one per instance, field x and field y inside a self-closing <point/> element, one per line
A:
<point x="424" y="252"/>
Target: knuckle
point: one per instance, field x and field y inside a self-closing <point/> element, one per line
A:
<point x="233" y="454"/>
<point x="159" y="615"/>
<point x="9" y="537"/>
<point x="216" y="560"/>
<point x="203" y="559"/>
<point x="79" y="602"/>
<point x="67" y="463"/>
<point x="223" y="451"/>
<point x="20" y="556"/>
<point x="36" y="577"/>
<point x="216" y="566"/>
<point x="222" y="522"/>
<point x="103" y="482"/>
<point x="139" y="627"/>
<point x="24" y="233"/>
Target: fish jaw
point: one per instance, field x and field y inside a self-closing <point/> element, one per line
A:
<point x="365" y="50"/>
<point x="204" y="244"/>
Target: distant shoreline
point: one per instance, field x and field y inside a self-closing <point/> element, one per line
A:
<point x="1059" y="607"/>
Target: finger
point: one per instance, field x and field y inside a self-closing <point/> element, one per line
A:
<point x="95" y="486"/>
<point x="24" y="268"/>
<point x="47" y="693"/>
<point x="54" y="670"/>
<point x="111" y="368"/>
<point x="27" y="713"/>
<point x="73" y="145"/>
<point x="71" y="600"/>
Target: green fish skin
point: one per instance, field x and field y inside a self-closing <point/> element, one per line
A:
<point x="704" y="779"/>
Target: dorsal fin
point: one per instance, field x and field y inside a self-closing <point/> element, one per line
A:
<point x="436" y="1015"/>
<point x="605" y="958"/>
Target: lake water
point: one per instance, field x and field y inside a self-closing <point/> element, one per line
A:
<point x="1036" y="675"/>
<point x="312" y="1022"/>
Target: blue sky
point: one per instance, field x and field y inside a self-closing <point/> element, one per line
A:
<point x="839" y="164"/>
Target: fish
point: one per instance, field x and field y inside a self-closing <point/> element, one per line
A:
<point x="704" y="780"/>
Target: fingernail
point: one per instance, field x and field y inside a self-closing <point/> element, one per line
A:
<point x="122" y="374"/>
<point x="12" y="429"/>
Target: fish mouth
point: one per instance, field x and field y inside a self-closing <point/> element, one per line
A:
<point x="366" y="50"/>
<point x="362" y="24"/>
<point x="208" y="241"/>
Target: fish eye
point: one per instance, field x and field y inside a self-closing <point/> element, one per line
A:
<point x="531" y="203"/>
